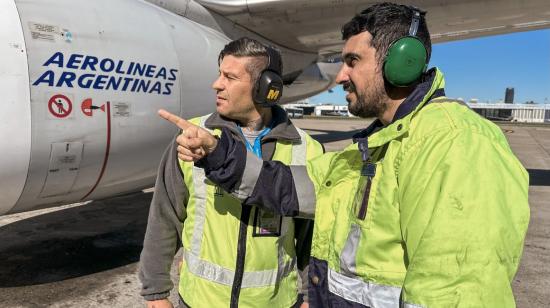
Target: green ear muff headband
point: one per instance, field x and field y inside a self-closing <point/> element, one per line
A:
<point x="406" y="58"/>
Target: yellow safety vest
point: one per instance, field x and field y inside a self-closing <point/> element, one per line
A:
<point x="209" y="276"/>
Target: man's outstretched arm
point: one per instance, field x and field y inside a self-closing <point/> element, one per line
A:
<point x="268" y="184"/>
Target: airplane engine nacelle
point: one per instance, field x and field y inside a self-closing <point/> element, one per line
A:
<point x="81" y="84"/>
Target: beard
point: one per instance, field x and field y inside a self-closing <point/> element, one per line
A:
<point x="370" y="100"/>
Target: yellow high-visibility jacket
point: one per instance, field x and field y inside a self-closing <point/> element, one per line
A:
<point x="430" y="210"/>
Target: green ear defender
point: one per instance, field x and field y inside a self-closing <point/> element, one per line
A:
<point x="406" y="58"/>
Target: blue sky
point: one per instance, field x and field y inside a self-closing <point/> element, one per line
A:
<point x="482" y="68"/>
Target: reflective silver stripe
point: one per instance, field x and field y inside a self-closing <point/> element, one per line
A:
<point x="200" y="188"/>
<point x="215" y="273"/>
<point x="349" y="253"/>
<point x="199" y="196"/>
<point x="283" y="269"/>
<point x="365" y="293"/>
<point x="208" y="270"/>
<point x="299" y="151"/>
<point x="268" y="277"/>
<point x="305" y="191"/>
<point x="408" y="305"/>
<point x="250" y="176"/>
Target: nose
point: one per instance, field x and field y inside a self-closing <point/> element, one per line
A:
<point x="218" y="84"/>
<point x="343" y="75"/>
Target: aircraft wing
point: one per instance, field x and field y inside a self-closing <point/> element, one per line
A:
<point x="314" y="26"/>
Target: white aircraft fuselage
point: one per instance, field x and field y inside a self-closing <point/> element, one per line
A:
<point x="82" y="82"/>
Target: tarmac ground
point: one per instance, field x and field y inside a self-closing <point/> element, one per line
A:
<point x="85" y="255"/>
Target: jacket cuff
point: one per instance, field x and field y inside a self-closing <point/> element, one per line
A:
<point x="156" y="296"/>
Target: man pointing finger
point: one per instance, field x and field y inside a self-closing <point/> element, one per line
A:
<point x="233" y="255"/>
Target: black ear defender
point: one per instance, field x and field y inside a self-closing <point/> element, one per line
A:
<point x="407" y="57"/>
<point x="269" y="87"/>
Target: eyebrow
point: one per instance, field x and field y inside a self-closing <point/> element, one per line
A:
<point x="350" y="56"/>
<point x="229" y="73"/>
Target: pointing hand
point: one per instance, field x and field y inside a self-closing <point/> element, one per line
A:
<point x="194" y="142"/>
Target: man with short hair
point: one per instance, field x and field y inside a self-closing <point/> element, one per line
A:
<point x="233" y="255"/>
<point x="428" y="208"/>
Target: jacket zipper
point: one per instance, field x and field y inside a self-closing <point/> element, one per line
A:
<point x="369" y="170"/>
<point x="241" y="253"/>
<point x="365" y="203"/>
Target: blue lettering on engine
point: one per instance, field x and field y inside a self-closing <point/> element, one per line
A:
<point x="106" y="74"/>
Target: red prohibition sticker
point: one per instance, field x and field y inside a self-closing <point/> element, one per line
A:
<point x="60" y="106"/>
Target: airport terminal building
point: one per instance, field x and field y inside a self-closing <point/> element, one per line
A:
<point x="526" y="113"/>
<point x="522" y="113"/>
